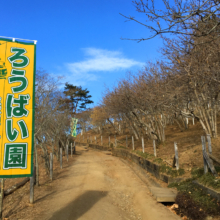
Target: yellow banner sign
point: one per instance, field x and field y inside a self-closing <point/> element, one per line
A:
<point x="17" y="84"/>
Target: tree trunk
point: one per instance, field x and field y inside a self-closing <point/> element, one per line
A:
<point x="115" y="128"/>
<point x="135" y="131"/>
<point x="176" y="120"/>
<point x="46" y="158"/>
<point x="16" y="186"/>
<point x="215" y="122"/>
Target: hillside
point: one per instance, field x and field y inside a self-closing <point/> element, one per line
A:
<point x="188" y="141"/>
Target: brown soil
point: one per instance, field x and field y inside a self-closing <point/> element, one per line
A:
<point x="16" y="206"/>
<point x="93" y="185"/>
<point x="188" y="141"/>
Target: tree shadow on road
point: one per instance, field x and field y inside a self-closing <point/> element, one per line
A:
<point x="79" y="206"/>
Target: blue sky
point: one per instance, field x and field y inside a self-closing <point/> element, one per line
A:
<point x="80" y="39"/>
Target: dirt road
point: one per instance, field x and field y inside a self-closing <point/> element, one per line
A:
<point x="102" y="187"/>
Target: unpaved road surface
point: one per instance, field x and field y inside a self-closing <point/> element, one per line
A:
<point x="99" y="186"/>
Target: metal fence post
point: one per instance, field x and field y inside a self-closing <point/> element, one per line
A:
<point x="61" y="158"/>
<point x="176" y="155"/>
<point x="155" y="150"/>
<point x="132" y="142"/>
<point x="209" y="143"/>
<point x="67" y="152"/>
<point x="115" y="141"/>
<point x="51" y="166"/>
<point x="204" y="150"/>
<point x="143" y="144"/>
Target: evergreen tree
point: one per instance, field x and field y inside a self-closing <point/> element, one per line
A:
<point x="76" y="97"/>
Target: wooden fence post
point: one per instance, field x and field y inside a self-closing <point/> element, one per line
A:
<point x="155" y="150"/>
<point x="143" y="144"/>
<point x="132" y="142"/>
<point x="32" y="189"/>
<point x="61" y="158"/>
<point x="126" y="141"/>
<point x="101" y="140"/>
<point x="1" y="197"/>
<point x="51" y="166"/>
<point x="209" y="143"/>
<point x="67" y="152"/>
<point x="95" y="140"/>
<point x="74" y="148"/>
<point x="83" y="138"/>
<point x="71" y="149"/>
<point x="193" y="121"/>
<point x="109" y="141"/>
<point x="176" y="155"/>
<point x="115" y="141"/>
<point x="204" y="150"/>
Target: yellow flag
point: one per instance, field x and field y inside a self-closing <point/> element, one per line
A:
<point x="17" y="94"/>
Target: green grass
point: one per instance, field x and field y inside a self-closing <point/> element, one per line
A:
<point x="171" y="171"/>
<point x="210" y="205"/>
<point x="158" y="160"/>
<point x="206" y="179"/>
<point x="144" y="155"/>
<point x="163" y="167"/>
<point x="121" y="147"/>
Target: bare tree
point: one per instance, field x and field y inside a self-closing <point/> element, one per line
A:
<point x="51" y="123"/>
<point x="180" y="17"/>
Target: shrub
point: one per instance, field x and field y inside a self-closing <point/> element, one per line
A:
<point x="189" y="207"/>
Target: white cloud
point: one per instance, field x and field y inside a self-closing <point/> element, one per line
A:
<point x="102" y="60"/>
<point x="98" y="60"/>
<point x="79" y="79"/>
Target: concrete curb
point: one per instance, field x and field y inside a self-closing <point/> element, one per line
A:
<point x="213" y="193"/>
<point x="82" y="144"/>
<point x="99" y="147"/>
<point x="147" y="165"/>
<point x="153" y="168"/>
<point x="144" y="163"/>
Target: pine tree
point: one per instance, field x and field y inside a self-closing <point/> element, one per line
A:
<point x="76" y="97"/>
